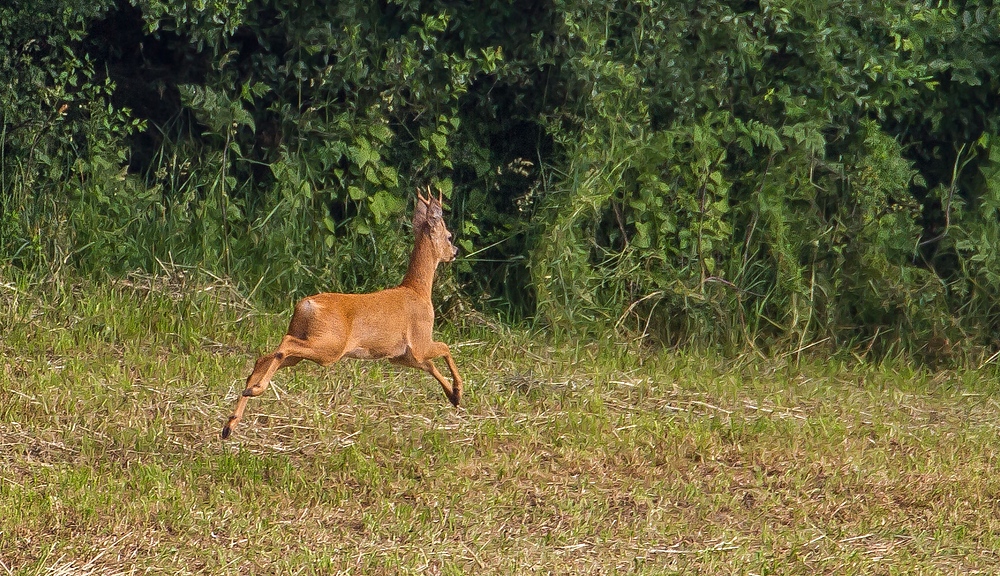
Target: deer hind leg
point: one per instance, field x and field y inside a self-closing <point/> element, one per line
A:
<point x="290" y="352"/>
<point x="257" y="382"/>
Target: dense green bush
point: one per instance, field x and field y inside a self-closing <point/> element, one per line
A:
<point x="776" y="174"/>
<point x="60" y="141"/>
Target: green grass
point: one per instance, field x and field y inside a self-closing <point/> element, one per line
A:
<point x="580" y="458"/>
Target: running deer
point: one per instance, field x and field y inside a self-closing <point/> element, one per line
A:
<point x="395" y="323"/>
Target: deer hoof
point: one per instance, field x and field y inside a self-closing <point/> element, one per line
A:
<point x="228" y="428"/>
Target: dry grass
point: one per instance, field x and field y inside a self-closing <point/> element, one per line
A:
<point x="567" y="460"/>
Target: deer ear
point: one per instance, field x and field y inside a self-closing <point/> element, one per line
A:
<point x="434" y="214"/>
<point x="434" y="210"/>
<point x="420" y="208"/>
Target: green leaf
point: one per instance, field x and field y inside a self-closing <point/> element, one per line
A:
<point x="383" y="205"/>
<point x="440" y="142"/>
<point x="381" y="133"/>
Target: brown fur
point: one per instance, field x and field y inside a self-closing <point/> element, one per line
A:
<point x="394" y="324"/>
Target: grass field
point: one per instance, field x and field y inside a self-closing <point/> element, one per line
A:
<point x="574" y="459"/>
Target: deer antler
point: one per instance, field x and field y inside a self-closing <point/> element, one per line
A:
<point x="429" y="207"/>
<point x="426" y="200"/>
<point x="420" y="210"/>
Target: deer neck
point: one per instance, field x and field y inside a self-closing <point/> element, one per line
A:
<point x="423" y="263"/>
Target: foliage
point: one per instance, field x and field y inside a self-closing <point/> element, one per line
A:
<point x="766" y="174"/>
<point x="62" y="147"/>
<point x="758" y="185"/>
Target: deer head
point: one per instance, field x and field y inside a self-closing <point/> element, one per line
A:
<point x="428" y="221"/>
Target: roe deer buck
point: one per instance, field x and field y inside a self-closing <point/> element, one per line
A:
<point x="395" y="323"/>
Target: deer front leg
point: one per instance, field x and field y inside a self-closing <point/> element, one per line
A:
<point x="454" y="376"/>
<point x="437" y="350"/>
<point x="454" y="393"/>
<point x="422" y="361"/>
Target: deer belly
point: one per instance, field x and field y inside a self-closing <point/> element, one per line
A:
<point x="377" y="352"/>
<point x="375" y="333"/>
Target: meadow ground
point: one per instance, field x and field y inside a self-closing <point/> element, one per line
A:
<point x="571" y="459"/>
